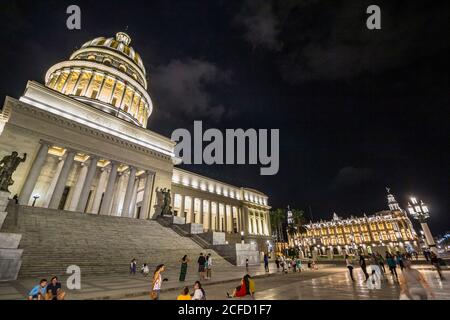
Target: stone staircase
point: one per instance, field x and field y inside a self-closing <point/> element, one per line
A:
<point x="54" y="239"/>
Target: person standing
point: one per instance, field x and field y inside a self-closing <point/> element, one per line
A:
<point x="399" y="260"/>
<point x="380" y="261"/>
<point x="145" y="270"/>
<point x="277" y="263"/>
<point x="349" y="265"/>
<point x="201" y="266"/>
<point x="391" y="264"/>
<point x="209" y="266"/>
<point x="246" y="265"/>
<point x="298" y="263"/>
<point x="413" y="285"/>
<point x="362" y="264"/>
<point x="157" y="282"/>
<point x="435" y="261"/>
<point x="183" y="270"/>
<point x="266" y="262"/>
<point x="133" y="266"/>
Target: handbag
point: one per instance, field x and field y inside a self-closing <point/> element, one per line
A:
<point x="153" y="295"/>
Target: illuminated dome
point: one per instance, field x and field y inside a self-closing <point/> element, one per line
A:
<point x="107" y="74"/>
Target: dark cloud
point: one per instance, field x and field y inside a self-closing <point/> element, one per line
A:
<point x="332" y="41"/>
<point x="351" y="177"/>
<point x="260" y="23"/>
<point x="181" y="89"/>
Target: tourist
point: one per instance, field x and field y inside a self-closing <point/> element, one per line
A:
<point x="133" y="266"/>
<point x="413" y="285"/>
<point x="277" y="263"/>
<point x="373" y="266"/>
<point x="436" y="262"/>
<point x="145" y="270"/>
<point x="298" y="263"/>
<point x="246" y="265"/>
<point x="38" y="292"/>
<point x="399" y="260"/>
<point x="349" y="265"/>
<point x="380" y="261"/>
<point x="199" y="292"/>
<point x="184" y="264"/>
<point x="374" y="281"/>
<point x="209" y="266"/>
<point x="266" y="262"/>
<point x="247" y="287"/>
<point x="391" y="264"/>
<point x="201" y="266"/>
<point x="54" y="291"/>
<point x="157" y="282"/>
<point x="184" y="294"/>
<point x="426" y="254"/>
<point x="362" y="264"/>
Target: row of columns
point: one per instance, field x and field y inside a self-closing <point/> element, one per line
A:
<point x="227" y="216"/>
<point x="103" y="193"/>
<point x="259" y="222"/>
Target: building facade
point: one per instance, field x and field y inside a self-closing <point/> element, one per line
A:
<point x="387" y="230"/>
<point x="88" y="148"/>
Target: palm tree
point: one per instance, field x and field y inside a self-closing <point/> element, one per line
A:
<point x="277" y="217"/>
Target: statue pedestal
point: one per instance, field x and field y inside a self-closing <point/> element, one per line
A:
<point x="10" y="255"/>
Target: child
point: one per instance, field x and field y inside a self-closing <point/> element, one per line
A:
<point x="184" y="294"/>
<point x="145" y="270"/>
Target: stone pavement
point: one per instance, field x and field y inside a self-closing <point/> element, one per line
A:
<point x="331" y="283"/>
<point x="125" y="286"/>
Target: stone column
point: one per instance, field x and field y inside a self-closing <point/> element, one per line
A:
<point x="87" y="184"/>
<point x="78" y="187"/>
<point x="59" y="188"/>
<point x="201" y="213"/>
<point x="183" y="199"/>
<point x="118" y="186"/>
<point x="269" y="227"/>
<point x="52" y="185"/>
<point x="238" y="222"/>
<point x="147" y="195"/>
<point x="137" y="181"/>
<point x="129" y="193"/>
<point x="225" y="218"/>
<point x="192" y="213"/>
<point x="210" y="225"/>
<point x="99" y="190"/>
<point x="245" y="221"/>
<point x="107" y="198"/>
<point x="33" y="174"/>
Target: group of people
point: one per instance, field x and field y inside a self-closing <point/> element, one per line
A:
<point x="205" y="264"/>
<point x="47" y="291"/>
<point x="145" y="270"/>
<point x="413" y="285"/>
<point x="197" y="294"/>
<point x="286" y="264"/>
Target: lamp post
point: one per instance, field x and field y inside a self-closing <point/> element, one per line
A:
<point x="420" y="212"/>
<point x="242" y="237"/>
<point x="35" y="197"/>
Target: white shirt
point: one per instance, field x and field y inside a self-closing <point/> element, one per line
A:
<point x="198" y="294"/>
<point x="210" y="263"/>
<point x="157" y="285"/>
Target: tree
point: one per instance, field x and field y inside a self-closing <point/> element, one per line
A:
<point x="277" y="218"/>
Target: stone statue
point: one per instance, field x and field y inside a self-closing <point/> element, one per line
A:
<point x="8" y="165"/>
<point x="164" y="200"/>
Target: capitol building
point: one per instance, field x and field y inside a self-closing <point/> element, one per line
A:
<point x="89" y="150"/>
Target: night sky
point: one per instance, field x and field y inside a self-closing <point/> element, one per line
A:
<point x="357" y="110"/>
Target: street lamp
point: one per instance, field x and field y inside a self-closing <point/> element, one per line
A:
<point x="419" y="211"/>
<point x="35" y="197"/>
<point x="242" y="237"/>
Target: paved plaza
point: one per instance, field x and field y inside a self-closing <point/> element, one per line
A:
<point x="327" y="283"/>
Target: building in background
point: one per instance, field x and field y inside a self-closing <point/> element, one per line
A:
<point x="89" y="149"/>
<point x="387" y="230"/>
